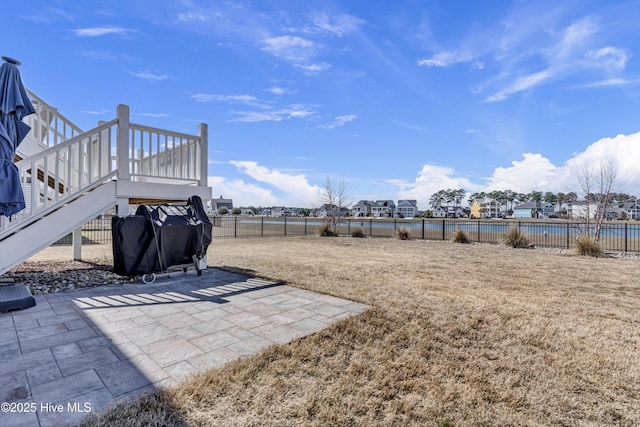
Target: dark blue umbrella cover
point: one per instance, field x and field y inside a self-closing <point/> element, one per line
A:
<point x="14" y="105"/>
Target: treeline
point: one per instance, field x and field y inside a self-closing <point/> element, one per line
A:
<point x="454" y="197"/>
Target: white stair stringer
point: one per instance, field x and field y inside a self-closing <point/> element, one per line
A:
<point x="40" y="234"/>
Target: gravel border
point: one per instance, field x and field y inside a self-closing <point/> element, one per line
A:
<point x="56" y="276"/>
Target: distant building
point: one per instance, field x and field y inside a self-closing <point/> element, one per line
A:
<point x="383" y="208"/>
<point x="629" y="210"/>
<point x="328" y="210"/>
<point x="486" y="208"/>
<point x="362" y="208"/>
<point x="221" y="203"/>
<point x="407" y="208"/>
<point x="533" y="210"/>
<point x="284" y="211"/>
<point x="581" y="209"/>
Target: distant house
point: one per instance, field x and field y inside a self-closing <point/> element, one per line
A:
<point x="362" y="208"/>
<point x="581" y="209"/>
<point x="629" y="210"/>
<point x="533" y="210"/>
<point x="439" y="212"/>
<point x="455" y="212"/>
<point x="407" y="208"/>
<point x="284" y="211"/>
<point x="327" y="210"/>
<point x="632" y="210"/>
<point x="383" y="208"/>
<point x="447" y="212"/>
<point x="221" y="203"/>
<point x="486" y="208"/>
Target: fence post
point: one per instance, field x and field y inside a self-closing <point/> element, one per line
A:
<point x="235" y="227"/>
<point x="443" y="229"/>
<point x="348" y="226"/>
<point x="422" y="228"/>
<point x="285" y="225"/>
<point x="478" y="240"/>
<point x="305" y="225"/>
<point x="261" y="226"/>
<point x="567" y="235"/>
<point x="625" y="237"/>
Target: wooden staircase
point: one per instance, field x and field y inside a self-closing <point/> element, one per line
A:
<point x="70" y="176"/>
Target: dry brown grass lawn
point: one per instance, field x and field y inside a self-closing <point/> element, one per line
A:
<point x="461" y="335"/>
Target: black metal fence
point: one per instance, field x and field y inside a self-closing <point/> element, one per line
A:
<point x="618" y="236"/>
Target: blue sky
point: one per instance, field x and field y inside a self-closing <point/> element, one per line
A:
<point x="397" y="99"/>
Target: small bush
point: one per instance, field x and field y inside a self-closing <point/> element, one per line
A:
<point x="324" y="231"/>
<point x="516" y="238"/>
<point x="403" y="233"/>
<point x="357" y="232"/>
<point x="587" y="246"/>
<point x="461" y="237"/>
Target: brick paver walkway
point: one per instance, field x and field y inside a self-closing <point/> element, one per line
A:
<point x="79" y="351"/>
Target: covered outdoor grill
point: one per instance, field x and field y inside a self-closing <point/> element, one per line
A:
<point x="160" y="238"/>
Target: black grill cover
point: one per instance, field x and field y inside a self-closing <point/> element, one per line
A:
<point x="158" y="237"/>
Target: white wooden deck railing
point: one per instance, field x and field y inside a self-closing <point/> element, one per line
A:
<point x="48" y="126"/>
<point x="61" y="173"/>
<point x="115" y="149"/>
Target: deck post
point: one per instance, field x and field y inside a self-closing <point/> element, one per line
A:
<point x="122" y="148"/>
<point x="77" y="244"/>
<point x="203" y="132"/>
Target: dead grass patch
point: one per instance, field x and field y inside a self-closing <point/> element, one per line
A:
<point x="460" y="335"/>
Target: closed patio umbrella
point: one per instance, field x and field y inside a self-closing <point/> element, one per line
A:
<point x="14" y="106"/>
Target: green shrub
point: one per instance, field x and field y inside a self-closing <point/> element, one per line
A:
<point x="324" y="231"/>
<point x="587" y="246"/>
<point x="516" y="238"/>
<point x="460" y="237"/>
<point x="403" y="233"/>
<point x="357" y="232"/>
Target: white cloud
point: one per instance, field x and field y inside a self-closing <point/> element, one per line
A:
<point x="193" y="16"/>
<point x="292" y="190"/>
<point x="531" y="53"/>
<point x="445" y="59"/>
<point x="277" y="90"/>
<point x="154" y="115"/>
<point x="623" y="151"/>
<point x="242" y="193"/>
<point x="152" y="77"/>
<point x="431" y="179"/>
<point x="611" y="59"/>
<point x="339" y="121"/>
<point x="521" y="84"/>
<point x="533" y="172"/>
<point x="291" y="48"/>
<point x="296" y="111"/>
<point x="101" y="31"/>
<point x="334" y="25"/>
<point x="314" y="68"/>
<point x="232" y="99"/>
<point x="536" y="172"/>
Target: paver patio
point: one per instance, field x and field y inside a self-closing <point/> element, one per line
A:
<point x="80" y="351"/>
